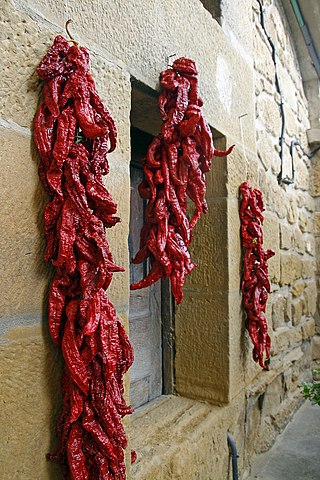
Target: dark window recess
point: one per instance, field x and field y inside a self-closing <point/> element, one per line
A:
<point x="150" y="310"/>
<point x="213" y="7"/>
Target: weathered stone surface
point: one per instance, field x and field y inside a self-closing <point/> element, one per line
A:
<point x="308" y="329"/>
<point x="284" y="338"/>
<point x="301" y="175"/>
<point x="310" y="295"/>
<point x="291" y="268"/>
<point x="299" y="242"/>
<point x="292" y="212"/>
<point x="306" y="222"/>
<point x="25" y="277"/>
<point x="297" y="288"/>
<point x="275" y="197"/>
<point x="271" y="240"/>
<point x="288" y="309"/>
<point x="30" y="402"/>
<point x="265" y="148"/>
<point x="317" y="223"/>
<point x="296" y="311"/>
<point x="310" y="244"/>
<point x="285" y="236"/>
<point x="315" y="179"/>
<point x="308" y="267"/>
<point x="315" y="344"/>
<point x="278" y="308"/>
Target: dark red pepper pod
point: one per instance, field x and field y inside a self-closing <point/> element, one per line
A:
<point x="255" y="283"/>
<point x="74" y="132"/>
<point x="174" y="167"/>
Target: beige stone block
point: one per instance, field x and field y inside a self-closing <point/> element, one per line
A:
<point x="253" y="415"/>
<point x="296" y="311"/>
<point x="269" y="113"/>
<point x="298" y="241"/>
<point x="301" y="175"/>
<point x="264" y="148"/>
<point x="262" y="180"/>
<point x="306" y="222"/>
<point x="202" y="347"/>
<point x="288" y="308"/>
<point x="30" y="403"/>
<point x="285" y="236"/>
<point x="235" y="254"/>
<point x="275" y="197"/>
<point x="272" y="397"/>
<point x="315" y="345"/>
<point x="25" y="277"/>
<point x="315" y="179"/>
<point x="317" y="223"/>
<point x="271" y="240"/>
<point x="278" y="308"/>
<point x="308" y="267"/>
<point x="310" y="244"/>
<point x="237" y="170"/>
<point x="308" y="329"/>
<point x="310" y="296"/>
<point x="292" y="212"/>
<point x="304" y="199"/>
<point x="209" y="250"/>
<point x="298" y="288"/>
<point x="284" y="338"/>
<point x="291" y="268"/>
<point x="217" y="177"/>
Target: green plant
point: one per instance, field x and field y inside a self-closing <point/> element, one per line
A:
<point x="311" y="390"/>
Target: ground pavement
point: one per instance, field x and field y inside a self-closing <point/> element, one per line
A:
<point x="296" y="452"/>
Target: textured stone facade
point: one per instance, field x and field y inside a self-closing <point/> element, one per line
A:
<point x="219" y="388"/>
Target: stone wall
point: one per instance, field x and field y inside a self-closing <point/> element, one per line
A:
<point x="219" y="388"/>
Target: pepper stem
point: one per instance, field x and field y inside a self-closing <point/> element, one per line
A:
<point x="68" y="32"/>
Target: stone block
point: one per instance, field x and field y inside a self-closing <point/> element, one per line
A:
<point x="30" y="402"/>
<point x="285" y="236"/>
<point x="317" y="223"/>
<point x="288" y="308"/>
<point x="306" y="222"/>
<point x="25" y="277"/>
<point x="310" y="244"/>
<point x="315" y="179"/>
<point x="271" y="240"/>
<point x="292" y="212"/>
<point x="297" y="288"/>
<point x="275" y="197"/>
<point x="315" y="345"/>
<point x="202" y="351"/>
<point x="291" y="268"/>
<point x="278" y="308"/>
<point x="272" y="397"/>
<point x="296" y="311"/>
<point x="298" y="241"/>
<point x="310" y="296"/>
<point x="301" y="175"/>
<point x="308" y="329"/>
<point x="308" y="267"/>
<point x="264" y="148"/>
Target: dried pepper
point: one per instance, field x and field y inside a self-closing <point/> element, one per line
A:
<point x="255" y="283"/>
<point x="174" y="168"/>
<point x="73" y="132"/>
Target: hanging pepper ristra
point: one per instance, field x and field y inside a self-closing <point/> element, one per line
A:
<point x="255" y="283"/>
<point x="73" y="132"/>
<point x="175" y="166"/>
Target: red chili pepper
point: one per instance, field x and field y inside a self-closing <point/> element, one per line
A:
<point x="255" y="283"/>
<point x="74" y="132"/>
<point x="174" y="169"/>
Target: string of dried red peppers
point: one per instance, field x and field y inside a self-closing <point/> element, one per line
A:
<point x="174" y="168"/>
<point x="255" y="282"/>
<point x="73" y="132"/>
